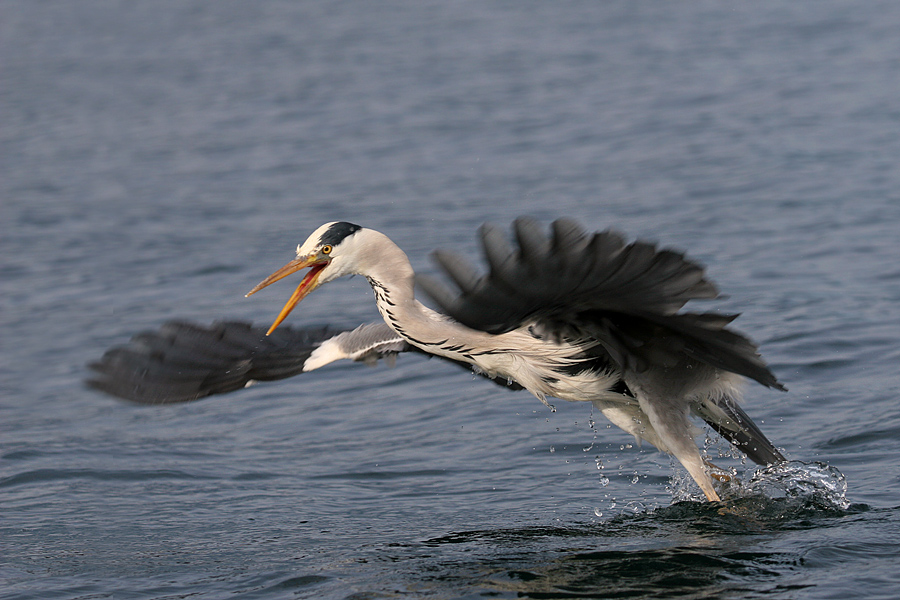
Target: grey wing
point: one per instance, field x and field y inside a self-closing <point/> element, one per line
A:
<point x="367" y="343"/>
<point x="183" y="361"/>
<point x="625" y="295"/>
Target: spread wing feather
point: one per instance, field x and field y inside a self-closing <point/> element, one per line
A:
<point x="181" y="361"/>
<point x="625" y="295"/>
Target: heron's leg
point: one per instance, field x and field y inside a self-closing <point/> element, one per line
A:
<point x="629" y="417"/>
<point x="672" y="425"/>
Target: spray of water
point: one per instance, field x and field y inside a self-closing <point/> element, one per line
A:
<point x="804" y="484"/>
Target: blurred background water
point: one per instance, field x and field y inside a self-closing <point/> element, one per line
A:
<point x="157" y="159"/>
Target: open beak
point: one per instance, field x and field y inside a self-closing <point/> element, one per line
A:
<point x="309" y="283"/>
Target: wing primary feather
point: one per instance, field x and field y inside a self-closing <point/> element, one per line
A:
<point x="568" y="244"/>
<point x="459" y="270"/>
<point x="497" y="250"/>
<point x="440" y="293"/>
<point x="533" y="243"/>
<point x="567" y="234"/>
<point x="183" y="361"/>
<point x="627" y="295"/>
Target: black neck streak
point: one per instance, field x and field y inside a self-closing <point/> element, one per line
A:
<point x="386" y="306"/>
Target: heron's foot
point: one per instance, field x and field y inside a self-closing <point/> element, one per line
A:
<point x="719" y="474"/>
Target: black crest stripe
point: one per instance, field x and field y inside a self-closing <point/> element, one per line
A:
<point x="336" y="234"/>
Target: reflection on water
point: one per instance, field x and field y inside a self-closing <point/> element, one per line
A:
<point x="689" y="549"/>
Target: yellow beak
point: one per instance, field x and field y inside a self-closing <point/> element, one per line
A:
<point x="309" y="283"/>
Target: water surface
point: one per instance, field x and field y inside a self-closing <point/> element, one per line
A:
<point x="160" y="158"/>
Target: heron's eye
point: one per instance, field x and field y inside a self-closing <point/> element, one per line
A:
<point x="326" y="249"/>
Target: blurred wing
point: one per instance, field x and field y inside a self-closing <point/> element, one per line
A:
<point x="183" y="361"/>
<point x="571" y="284"/>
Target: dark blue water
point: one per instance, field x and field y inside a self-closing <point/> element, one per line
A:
<point x="159" y="159"/>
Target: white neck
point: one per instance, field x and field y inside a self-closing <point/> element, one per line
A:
<point x="515" y="355"/>
<point x="391" y="275"/>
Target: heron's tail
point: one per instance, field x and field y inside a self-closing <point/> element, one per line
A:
<point x="730" y="421"/>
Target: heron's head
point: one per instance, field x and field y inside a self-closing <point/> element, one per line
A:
<point x="334" y="249"/>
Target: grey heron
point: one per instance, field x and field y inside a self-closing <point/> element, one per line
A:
<point x="570" y="315"/>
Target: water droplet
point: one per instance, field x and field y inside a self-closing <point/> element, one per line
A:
<point x="598" y="512"/>
<point x="635" y="507"/>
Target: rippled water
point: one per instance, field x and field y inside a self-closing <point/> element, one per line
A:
<point x="158" y="159"/>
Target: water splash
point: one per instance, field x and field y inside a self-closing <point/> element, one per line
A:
<point x="815" y="483"/>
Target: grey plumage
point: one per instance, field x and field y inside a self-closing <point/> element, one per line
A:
<point x="182" y="361"/>
<point x="627" y="296"/>
<point x="585" y="318"/>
